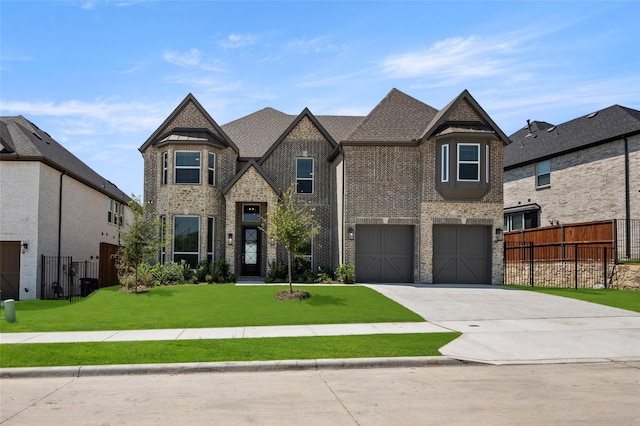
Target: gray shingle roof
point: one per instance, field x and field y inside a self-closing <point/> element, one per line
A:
<point x="23" y="140"/>
<point x="397" y="118"/>
<point x="546" y="140"/>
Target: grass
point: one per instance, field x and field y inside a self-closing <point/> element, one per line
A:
<point x="623" y="299"/>
<point x="199" y="306"/>
<point x="180" y="351"/>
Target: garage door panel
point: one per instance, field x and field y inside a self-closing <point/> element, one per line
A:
<point x="384" y="253"/>
<point x="461" y="254"/>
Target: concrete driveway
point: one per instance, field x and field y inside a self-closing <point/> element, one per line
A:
<point x="508" y="326"/>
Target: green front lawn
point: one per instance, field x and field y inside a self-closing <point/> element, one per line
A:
<point x="179" y="351"/>
<point x="199" y="306"/>
<point x="623" y="299"/>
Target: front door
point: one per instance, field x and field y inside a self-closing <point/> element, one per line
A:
<point x="250" y="251"/>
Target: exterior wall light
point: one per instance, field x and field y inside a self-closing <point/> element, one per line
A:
<point x="350" y="233"/>
<point x="25" y="246"/>
<point x="499" y="234"/>
<point x="230" y="239"/>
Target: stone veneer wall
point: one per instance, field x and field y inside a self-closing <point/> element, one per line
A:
<point x="281" y="168"/>
<point x="250" y="188"/>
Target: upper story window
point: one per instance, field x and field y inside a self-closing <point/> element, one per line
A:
<point x="114" y="212"/>
<point x="187" y="167"/>
<point x="304" y="175"/>
<point x="212" y="168"/>
<point x="165" y="168"/>
<point x="469" y="162"/>
<point x="462" y="168"/>
<point x="543" y="174"/>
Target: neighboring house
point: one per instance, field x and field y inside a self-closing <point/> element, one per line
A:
<point x="406" y="194"/>
<point x="584" y="170"/>
<point x="54" y="205"/>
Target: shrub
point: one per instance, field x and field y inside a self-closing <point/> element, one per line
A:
<point x="277" y="272"/>
<point x="145" y="275"/>
<point x="220" y="272"/>
<point x="202" y="270"/>
<point x="346" y="273"/>
<point x="324" y="275"/>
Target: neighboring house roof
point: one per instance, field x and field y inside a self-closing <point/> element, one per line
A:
<point x="397" y="118"/>
<point x="540" y="140"/>
<point x="22" y="140"/>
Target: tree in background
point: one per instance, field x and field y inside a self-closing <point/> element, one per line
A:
<point x="290" y="223"/>
<point x="142" y="240"/>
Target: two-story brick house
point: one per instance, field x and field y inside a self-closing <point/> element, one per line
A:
<point x="583" y="170"/>
<point x="406" y="194"/>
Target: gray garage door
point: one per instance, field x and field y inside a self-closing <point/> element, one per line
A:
<point x="384" y="253"/>
<point x="461" y="254"/>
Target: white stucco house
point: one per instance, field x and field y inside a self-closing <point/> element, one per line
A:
<point x="53" y="206"/>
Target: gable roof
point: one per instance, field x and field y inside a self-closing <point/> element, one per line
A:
<point x="21" y="140"/>
<point x="162" y="134"/>
<point x="397" y="118"/>
<point x="545" y="140"/>
<point x="261" y="172"/>
<point x="481" y="123"/>
<point x="305" y="113"/>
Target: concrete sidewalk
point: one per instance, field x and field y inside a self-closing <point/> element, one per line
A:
<point x="498" y="326"/>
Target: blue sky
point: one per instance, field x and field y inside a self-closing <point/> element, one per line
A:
<point x="101" y="76"/>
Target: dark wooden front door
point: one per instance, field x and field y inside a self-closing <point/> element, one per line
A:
<point x="10" y="270"/>
<point x="250" y="251"/>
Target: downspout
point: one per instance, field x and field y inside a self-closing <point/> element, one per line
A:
<point x="627" y="199"/>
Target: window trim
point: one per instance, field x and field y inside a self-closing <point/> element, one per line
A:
<point x="164" y="179"/>
<point x="211" y="169"/>
<point x="444" y="163"/>
<point x="176" y="167"/>
<point x="163" y="239"/>
<point x="173" y="240"/>
<point x="461" y="162"/>
<point x="538" y="174"/>
<point x="312" y="178"/>
<point x="211" y="238"/>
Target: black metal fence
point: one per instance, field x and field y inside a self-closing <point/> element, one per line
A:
<point x="558" y="265"/>
<point x="62" y="278"/>
<point x="628" y="239"/>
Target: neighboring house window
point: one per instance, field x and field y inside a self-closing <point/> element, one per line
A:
<point x="520" y="220"/>
<point x="187" y="167"/>
<point x="186" y="239"/>
<point x="212" y="168"/>
<point x="304" y="175"/>
<point x="469" y="162"/>
<point x="210" y="238"/>
<point x="444" y="163"/>
<point x="543" y="174"/>
<point x="165" y="168"/>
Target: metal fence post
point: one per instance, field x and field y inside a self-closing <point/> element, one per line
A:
<point x="575" y="264"/>
<point x="604" y="267"/>
<point x="531" y="264"/>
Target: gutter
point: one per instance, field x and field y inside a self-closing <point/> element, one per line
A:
<point x="60" y="221"/>
<point x="627" y="198"/>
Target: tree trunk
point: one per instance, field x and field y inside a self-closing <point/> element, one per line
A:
<point x="290" y="278"/>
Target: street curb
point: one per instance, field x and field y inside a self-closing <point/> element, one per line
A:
<point x="229" y="367"/>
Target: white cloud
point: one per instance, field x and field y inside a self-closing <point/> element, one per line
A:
<point x="235" y="41"/>
<point x="314" y="45"/>
<point x="190" y="58"/>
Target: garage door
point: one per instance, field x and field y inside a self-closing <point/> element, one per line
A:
<point x="384" y="253"/>
<point x="461" y="254"/>
<point x="10" y="270"/>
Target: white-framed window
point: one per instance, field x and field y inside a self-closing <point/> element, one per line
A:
<point x="187" y="167"/>
<point x="486" y="166"/>
<point x="211" y="226"/>
<point x="444" y="163"/>
<point x="520" y="220"/>
<point x="304" y="175"/>
<point x="163" y="239"/>
<point x="469" y="162"/>
<point x="211" y="162"/>
<point x="165" y="168"/>
<point x="186" y="239"/>
<point x="543" y="174"/>
<point x="114" y="212"/>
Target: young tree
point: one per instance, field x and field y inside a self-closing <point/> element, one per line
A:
<point x="142" y="240"/>
<point x="291" y="224"/>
